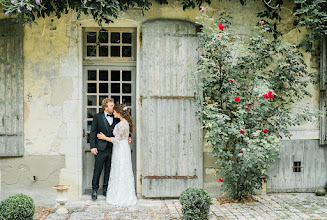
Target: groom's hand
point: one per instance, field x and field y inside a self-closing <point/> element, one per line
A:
<point x="129" y="140"/>
<point x="94" y="151"/>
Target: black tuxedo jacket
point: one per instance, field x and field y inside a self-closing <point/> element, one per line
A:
<point x="100" y="124"/>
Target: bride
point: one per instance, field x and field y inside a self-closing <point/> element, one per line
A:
<point x="121" y="189"/>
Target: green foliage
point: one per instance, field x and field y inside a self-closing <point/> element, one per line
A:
<point x="320" y="192"/>
<point x="272" y="13"/>
<point x="309" y="13"/>
<point x="101" y="10"/>
<point x="250" y="89"/>
<point x="195" y="203"/>
<point x="17" y="207"/>
<point x="313" y="15"/>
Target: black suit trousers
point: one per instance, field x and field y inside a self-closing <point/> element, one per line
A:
<point x="103" y="158"/>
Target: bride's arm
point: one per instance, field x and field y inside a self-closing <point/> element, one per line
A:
<point x="104" y="137"/>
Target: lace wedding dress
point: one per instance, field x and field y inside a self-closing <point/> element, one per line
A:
<point x="121" y="189"/>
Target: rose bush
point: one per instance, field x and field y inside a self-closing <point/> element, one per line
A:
<point x="248" y="89"/>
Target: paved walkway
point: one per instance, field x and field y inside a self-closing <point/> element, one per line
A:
<point x="273" y="206"/>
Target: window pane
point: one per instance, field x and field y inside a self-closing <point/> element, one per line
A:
<point x="91" y="112"/>
<point x="88" y="138"/>
<point x="115" y="51"/>
<point x="115" y="37"/>
<point x="127" y="51"/>
<point x="92" y="75"/>
<point x="115" y="87"/>
<point x="115" y="75"/>
<point x="91" y="51"/>
<point x="127" y="88"/>
<point x="116" y="99"/>
<point x="103" y="75"/>
<point x="89" y="123"/>
<point x="127" y="38"/>
<point x="91" y="87"/>
<point x="91" y="37"/>
<point x="101" y="98"/>
<point x="91" y="100"/>
<point x="127" y="76"/>
<point x="127" y="100"/>
<point x="103" y="51"/>
<point x="103" y="88"/>
<point x="103" y="36"/>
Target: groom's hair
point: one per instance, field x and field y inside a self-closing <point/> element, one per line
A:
<point x="106" y="101"/>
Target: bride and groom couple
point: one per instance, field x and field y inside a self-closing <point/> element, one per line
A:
<point x="109" y="141"/>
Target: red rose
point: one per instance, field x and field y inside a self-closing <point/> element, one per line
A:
<point x="263" y="177"/>
<point x="265" y="130"/>
<point x="202" y="9"/>
<point x="242" y="131"/>
<point x="241" y="151"/>
<point x="221" y="26"/>
<point x="261" y="22"/>
<point x="270" y="94"/>
<point x="290" y="135"/>
<point x="237" y="99"/>
<point x="250" y="103"/>
<point x="220" y="180"/>
<point x="231" y="80"/>
<point x="246" y="108"/>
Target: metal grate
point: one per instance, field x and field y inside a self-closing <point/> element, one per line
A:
<point x="297" y="166"/>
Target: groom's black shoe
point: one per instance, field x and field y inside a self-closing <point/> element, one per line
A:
<point x="94" y="194"/>
<point x="105" y="192"/>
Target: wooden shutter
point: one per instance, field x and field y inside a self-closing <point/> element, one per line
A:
<point x="323" y="93"/>
<point x="171" y="134"/>
<point x="11" y="88"/>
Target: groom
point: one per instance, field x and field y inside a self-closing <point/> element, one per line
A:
<point x="102" y="122"/>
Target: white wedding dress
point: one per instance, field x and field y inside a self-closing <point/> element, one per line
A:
<point x="121" y="190"/>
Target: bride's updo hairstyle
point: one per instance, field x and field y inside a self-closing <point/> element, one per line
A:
<point x="124" y="112"/>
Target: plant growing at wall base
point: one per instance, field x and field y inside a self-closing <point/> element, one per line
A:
<point x="17" y="207"/>
<point x="195" y="203"/>
<point x="251" y="92"/>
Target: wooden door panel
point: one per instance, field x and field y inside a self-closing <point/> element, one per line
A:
<point x="312" y="157"/>
<point x="171" y="133"/>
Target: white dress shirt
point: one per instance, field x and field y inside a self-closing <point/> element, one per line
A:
<point x="109" y="119"/>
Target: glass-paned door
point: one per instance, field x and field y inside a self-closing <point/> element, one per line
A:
<point x="109" y="64"/>
<point x="109" y="56"/>
<point x="101" y="82"/>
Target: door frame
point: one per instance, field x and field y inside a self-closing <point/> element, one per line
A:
<point x="126" y="23"/>
<point x="85" y="145"/>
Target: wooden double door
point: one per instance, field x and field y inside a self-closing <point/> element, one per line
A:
<point x="170" y="136"/>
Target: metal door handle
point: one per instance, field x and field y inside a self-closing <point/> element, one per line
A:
<point x="84" y="133"/>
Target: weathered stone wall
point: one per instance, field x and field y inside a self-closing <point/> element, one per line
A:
<point x="53" y="105"/>
<point x="52" y="114"/>
<point x="31" y="175"/>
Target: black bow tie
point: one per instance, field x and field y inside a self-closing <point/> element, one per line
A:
<point x="109" y="115"/>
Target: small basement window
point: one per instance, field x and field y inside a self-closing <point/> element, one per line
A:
<point x="297" y="166"/>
